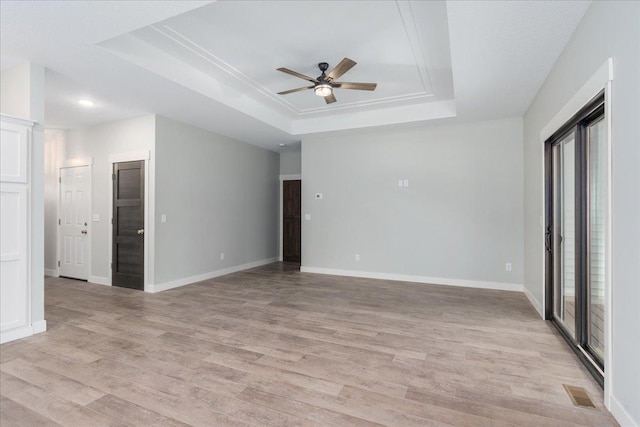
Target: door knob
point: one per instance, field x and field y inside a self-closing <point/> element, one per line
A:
<point x="141" y="231"/>
<point x="84" y="231"/>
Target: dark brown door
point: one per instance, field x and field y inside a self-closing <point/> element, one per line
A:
<point x="291" y="220"/>
<point x="127" y="267"/>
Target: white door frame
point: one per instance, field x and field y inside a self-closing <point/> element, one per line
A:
<point x="133" y="156"/>
<point x="297" y="177"/>
<point x="72" y="163"/>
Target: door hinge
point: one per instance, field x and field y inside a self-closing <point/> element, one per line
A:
<point x="59" y="179"/>
<point x="111" y="221"/>
<point x="58" y="263"/>
<point x="59" y="222"/>
<point x="113" y="176"/>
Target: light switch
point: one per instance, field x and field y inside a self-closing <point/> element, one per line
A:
<point x="163" y="218"/>
<point x="399" y="183"/>
<point x="95" y="217"/>
<point x="406" y="182"/>
<point x="307" y="217"/>
<point x="318" y="196"/>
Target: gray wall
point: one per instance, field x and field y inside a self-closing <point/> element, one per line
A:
<point x="460" y="217"/>
<point x="219" y="196"/>
<point x="99" y="142"/>
<point x="290" y="162"/>
<point x="609" y="29"/>
<point x="53" y="146"/>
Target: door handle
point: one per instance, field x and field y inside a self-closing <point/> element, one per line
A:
<point x="141" y="231"/>
<point x="547" y="239"/>
<point x="84" y="231"/>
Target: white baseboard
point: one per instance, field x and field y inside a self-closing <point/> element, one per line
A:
<point x="534" y="302"/>
<point x="39" y="326"/>
<point x="51" y="272"/>
<point x="16" y="334"/>
<point x="515" y="287"/>
<point x="100" y="280"/>
<point x="621" y="415"/>
<point x="206" y="276"/>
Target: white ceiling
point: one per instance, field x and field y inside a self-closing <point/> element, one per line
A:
<point x="213" y="64"/>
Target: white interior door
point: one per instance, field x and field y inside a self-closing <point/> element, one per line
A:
<point x="74" y="222"/>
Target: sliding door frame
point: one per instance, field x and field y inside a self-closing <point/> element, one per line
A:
<point x="589" y="114"/>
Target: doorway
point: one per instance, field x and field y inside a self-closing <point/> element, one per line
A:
<point x="576" y="205"/>
<point x="127" y="267"/>
<point x="291" y="221"/>
<point x="75" y="209"/>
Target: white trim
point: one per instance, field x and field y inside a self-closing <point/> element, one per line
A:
<point x="600" y="80"/>
<point x="292" y="177"/>
<point x="205" y="276"/>
<point x="534" y="302"/>
<point x="131" y="156"/>
<point x="608" y="268"/>
<point x="15" y="334"/>
<point x="515" y="287"/>
<point x="149" y="213"/>
<point x="39" y="326"/>
<point x="620" y="414"/>
<point x="18" y="120"/>
<point x="72" y="163"/>
<point x="100" y="280"/>
<point x="50" y="272"/>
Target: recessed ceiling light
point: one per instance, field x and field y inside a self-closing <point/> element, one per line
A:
<point x="85" y="103"/>
<point x="282" y="145"/>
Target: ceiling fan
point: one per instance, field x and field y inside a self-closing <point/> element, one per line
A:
<point x="324" y="84"/>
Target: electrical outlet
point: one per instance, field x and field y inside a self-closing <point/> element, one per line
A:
<point x="222" y="256"/>
<point x="357" y="257"/>
<point x="318" y="196"/>
<point x="507" y="266"/>
<point x="307" y="217"/>
<point x="399" y="183"/>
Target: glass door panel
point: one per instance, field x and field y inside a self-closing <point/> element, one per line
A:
<point x="597" y="214"/>
<point x="564" y="233"/>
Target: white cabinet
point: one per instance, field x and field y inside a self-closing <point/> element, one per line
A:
<point x="15" y="283"/>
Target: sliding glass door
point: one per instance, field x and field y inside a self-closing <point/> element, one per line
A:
<point x="577" y="199"/>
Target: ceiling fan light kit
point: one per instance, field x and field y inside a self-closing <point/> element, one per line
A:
<point x="323" y="89"/>
<point x="324" y="84"/>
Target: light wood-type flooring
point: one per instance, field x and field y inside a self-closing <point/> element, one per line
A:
<point x="275" y="347"/>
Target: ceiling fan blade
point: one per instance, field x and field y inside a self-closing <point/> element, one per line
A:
<point x="330" y="99"/>
<point x="296" y="74"/>
<point x="295" y="90"/>
<point x="355" y="86"/>
<point x="345" y="65"/>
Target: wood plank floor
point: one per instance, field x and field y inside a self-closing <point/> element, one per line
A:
<point x="275" y="347"/>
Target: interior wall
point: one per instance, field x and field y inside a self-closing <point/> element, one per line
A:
<point x="219" y="196"/>
<point x="99" y="142"/>
<point x="291" y="162"/>
<point x="609" y="29"/>
<point x="53" y="146"/>
<point x="15" y="90"/>
<point x="458" y="221"/>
